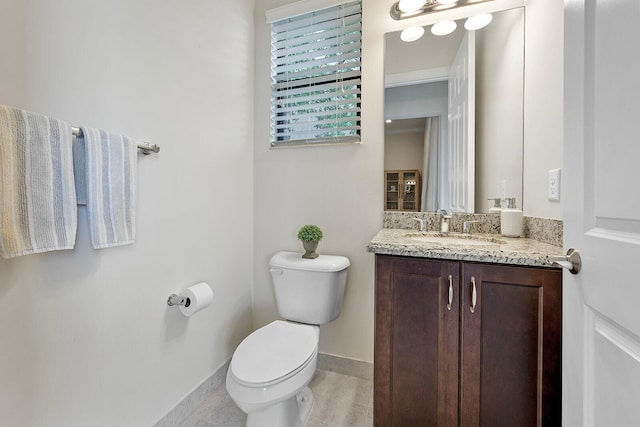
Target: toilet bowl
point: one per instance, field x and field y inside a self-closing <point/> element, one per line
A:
<point x="270" y="370"/>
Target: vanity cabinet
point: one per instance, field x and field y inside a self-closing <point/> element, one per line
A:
<point x="402" y="190"/>
<point x="466" y="344"/>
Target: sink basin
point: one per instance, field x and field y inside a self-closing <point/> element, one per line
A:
<point x="454" y="239"/>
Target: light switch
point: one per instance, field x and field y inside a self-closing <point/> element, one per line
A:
<point x="554" y="185"/>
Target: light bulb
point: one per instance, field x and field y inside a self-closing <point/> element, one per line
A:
<point x="409" y="6"/>
<point x="478" y="21"/>
<point x="411" y="34"/>
<point x="443" y="28"/>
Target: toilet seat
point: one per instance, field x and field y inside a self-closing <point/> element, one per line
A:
<point x="274" y="353"/>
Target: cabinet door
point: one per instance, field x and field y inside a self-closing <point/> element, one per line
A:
<point x="416" y="342"/>
<point x="410" y="191"/>
<point x="402" y="190"/>
<point x="392" y="183"/>
<point x="511" y="346"/>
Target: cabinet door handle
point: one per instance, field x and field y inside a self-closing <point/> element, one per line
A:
<point x="474" y="295"/>
<point x="450" y="293"/>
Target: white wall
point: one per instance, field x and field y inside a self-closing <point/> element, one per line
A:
<point x="341" y="188"/>
<point x="87" y="337"/>
<point x="12" y="42"/>
<point x="543" y="123"/>
<point x="499" y="108"/>
<point x="428" y="52"/>
<point x="338" y="188"/>
<point x="418" y="100"/>
<point x="404" y="150"/>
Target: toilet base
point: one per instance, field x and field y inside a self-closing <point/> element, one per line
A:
<point x="292" y="412"/>
<point x="305" y="404"/>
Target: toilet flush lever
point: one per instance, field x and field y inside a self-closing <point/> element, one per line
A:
<point x="276" y="271"/>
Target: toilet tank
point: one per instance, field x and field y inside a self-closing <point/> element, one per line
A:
<point x="309" y="290"/>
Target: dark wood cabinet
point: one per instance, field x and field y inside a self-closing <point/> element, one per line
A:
<point x="493" y="362"/>
<point x="402" y="190"/>
<point x="416" y="342"/>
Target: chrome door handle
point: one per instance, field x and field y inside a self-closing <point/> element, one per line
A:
<point x="450" y="293"/>
<point x="474" y="295"/>
<point x="571" y="261"/>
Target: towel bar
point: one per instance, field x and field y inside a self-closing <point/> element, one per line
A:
<point x="144" y="146"/>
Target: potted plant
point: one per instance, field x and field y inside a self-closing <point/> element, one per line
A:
<point x="310" y="236"/>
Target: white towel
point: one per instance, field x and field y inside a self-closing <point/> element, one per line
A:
<point x="38" y="211"/>
<point x="109" y="170"/>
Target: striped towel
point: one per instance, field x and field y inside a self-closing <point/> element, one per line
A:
<point x="108" y="170"/>
<point x="38" y="211"/>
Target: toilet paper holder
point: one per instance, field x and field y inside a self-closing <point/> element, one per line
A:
<point x="178" y="300"/>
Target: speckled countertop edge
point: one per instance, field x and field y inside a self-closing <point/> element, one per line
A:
<point x="515" y="251"/>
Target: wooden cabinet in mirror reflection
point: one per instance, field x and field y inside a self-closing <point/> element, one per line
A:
<point x="402" y="190"/>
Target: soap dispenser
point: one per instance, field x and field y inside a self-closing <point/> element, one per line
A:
<point x="511" y="219"/>
<point x="497" y="205"/>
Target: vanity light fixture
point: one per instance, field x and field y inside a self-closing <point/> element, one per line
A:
<point x="409" y="6"/>
<point x="443" y="28"/>
<point x="404" y="9"/>
<point x="411" y="34"/>
<point x="478" y="21"/>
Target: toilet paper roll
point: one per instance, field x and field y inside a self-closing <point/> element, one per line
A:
<point x="199" y="296"/>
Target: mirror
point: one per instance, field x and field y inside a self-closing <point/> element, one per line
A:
<point x="466" y="148"/>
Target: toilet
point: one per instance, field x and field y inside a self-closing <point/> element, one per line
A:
<point x="270" y="370"/>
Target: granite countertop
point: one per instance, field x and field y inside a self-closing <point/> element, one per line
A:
<point x="490" y="248"/>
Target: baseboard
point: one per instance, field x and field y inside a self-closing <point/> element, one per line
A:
<point x="195" y="398"/>
<point x="327" y="362"/>
<point x="343" y="365"/>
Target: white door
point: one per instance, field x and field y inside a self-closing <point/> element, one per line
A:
<point x="462" y="84"/>
<point x="601" y="312"/>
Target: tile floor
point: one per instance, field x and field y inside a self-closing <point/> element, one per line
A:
<point x="340" y="401"/>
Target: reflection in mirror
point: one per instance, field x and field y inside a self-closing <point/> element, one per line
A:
<point x="454" y="111"/>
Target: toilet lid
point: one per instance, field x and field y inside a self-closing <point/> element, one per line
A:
<point x="274" y="351"/>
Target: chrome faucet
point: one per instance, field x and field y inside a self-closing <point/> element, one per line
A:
<point x="466" y="226"/>
<point x="423" y="223"/>
<point x="444" y="221"/>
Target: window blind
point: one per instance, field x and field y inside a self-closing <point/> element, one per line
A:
<point x="315" y="77"/>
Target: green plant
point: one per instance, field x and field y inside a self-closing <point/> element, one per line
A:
<point x="310" y="233"/>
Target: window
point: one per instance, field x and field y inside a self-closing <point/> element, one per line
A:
<point x="315" y="77"/>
